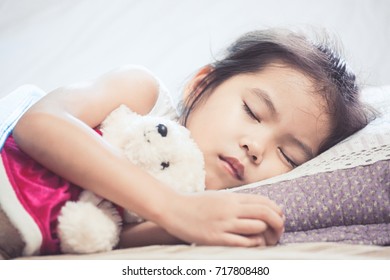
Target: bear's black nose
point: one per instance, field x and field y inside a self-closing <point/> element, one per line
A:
<point x="164" y="165"/>
<point x="162" y="130"/>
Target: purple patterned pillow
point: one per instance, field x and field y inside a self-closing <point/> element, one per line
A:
<point x="348" y="205"/>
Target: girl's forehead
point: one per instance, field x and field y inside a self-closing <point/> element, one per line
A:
<point x="278" y="77"/>
<point x="287" y="95"/>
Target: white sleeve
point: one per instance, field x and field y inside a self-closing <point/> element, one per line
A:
<point x="14" y="105"/>
<point x="164" y="106"/>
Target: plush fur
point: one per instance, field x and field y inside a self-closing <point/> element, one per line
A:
<point x="89" y="225"/>
<point x="160" y="146"/>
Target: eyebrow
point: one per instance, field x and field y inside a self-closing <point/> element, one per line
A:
<point x="266" y="99"/>
<point x="305" y="148"/>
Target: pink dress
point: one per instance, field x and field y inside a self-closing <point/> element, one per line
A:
<point x="39" y="192"/>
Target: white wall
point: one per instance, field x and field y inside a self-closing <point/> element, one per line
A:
<point x="51" y="43"/>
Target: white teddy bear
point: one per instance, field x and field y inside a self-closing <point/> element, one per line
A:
<point x="162" y="147"/>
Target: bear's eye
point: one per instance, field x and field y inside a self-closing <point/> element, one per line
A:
<point x="162" y="130"/>
<point x="164" y="165"/>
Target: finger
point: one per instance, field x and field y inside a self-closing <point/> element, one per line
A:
<point x="257" y="240"/>
<point x="271" y="237"/>
<point x="259" y="199"/>
<point x="237" y="240"/>
<point x="263" y="213"/>
<point x="248" y="227"/>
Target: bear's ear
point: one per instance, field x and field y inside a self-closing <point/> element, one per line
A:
<point x="193" y="84"/>
<point x="183" y="130"/>
<point x="127" y="112"/>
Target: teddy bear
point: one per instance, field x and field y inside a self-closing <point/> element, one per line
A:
<point x="158" y="145"/>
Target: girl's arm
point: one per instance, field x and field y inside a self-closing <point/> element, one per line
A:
<point x="148" y="233"/>
<point x="144" y="234"/>
<point x="57" y="132"/>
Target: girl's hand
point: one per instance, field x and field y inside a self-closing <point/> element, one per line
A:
<point x="227" y="219"/>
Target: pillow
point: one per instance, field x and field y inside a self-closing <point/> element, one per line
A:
<point x="343" y="195"/>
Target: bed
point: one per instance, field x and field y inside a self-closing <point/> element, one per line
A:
<point x="337" y="205"/>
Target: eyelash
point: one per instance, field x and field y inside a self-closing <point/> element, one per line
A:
<point x="290" y="161"/>
<point x="253" y="116"/>
<point x="250" y="113"/>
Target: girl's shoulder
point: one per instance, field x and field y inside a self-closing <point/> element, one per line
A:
<point x="153" y="89"/>
<point x="134" y="79"/>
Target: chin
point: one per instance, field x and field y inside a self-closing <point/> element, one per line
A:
<point x="218" y="185"/>
<point x="213" y="185"/>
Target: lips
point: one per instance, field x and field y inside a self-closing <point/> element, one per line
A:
<point x="234" y="167"/>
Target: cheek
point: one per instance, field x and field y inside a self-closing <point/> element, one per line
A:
<point x="216" y="126"/>
<point x="270" y="167"/>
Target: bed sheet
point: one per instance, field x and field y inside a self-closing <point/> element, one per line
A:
<point x="299" y="251"/>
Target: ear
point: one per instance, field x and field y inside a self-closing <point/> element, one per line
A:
<point x="195" y="80"/>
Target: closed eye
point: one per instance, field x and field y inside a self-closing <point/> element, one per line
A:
<point x="250" y="113"/>
<point x="288" y="160"/>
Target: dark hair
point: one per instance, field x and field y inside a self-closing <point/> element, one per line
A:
<point x="320" y="62"/>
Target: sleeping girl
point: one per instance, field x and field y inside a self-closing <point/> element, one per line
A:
<point x="274" y="101"/>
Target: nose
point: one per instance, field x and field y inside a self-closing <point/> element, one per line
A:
<point x="254" y="152"/>
<point x="162" y="130"/>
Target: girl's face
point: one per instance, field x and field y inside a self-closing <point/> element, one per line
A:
<point x="256" y="126"/>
